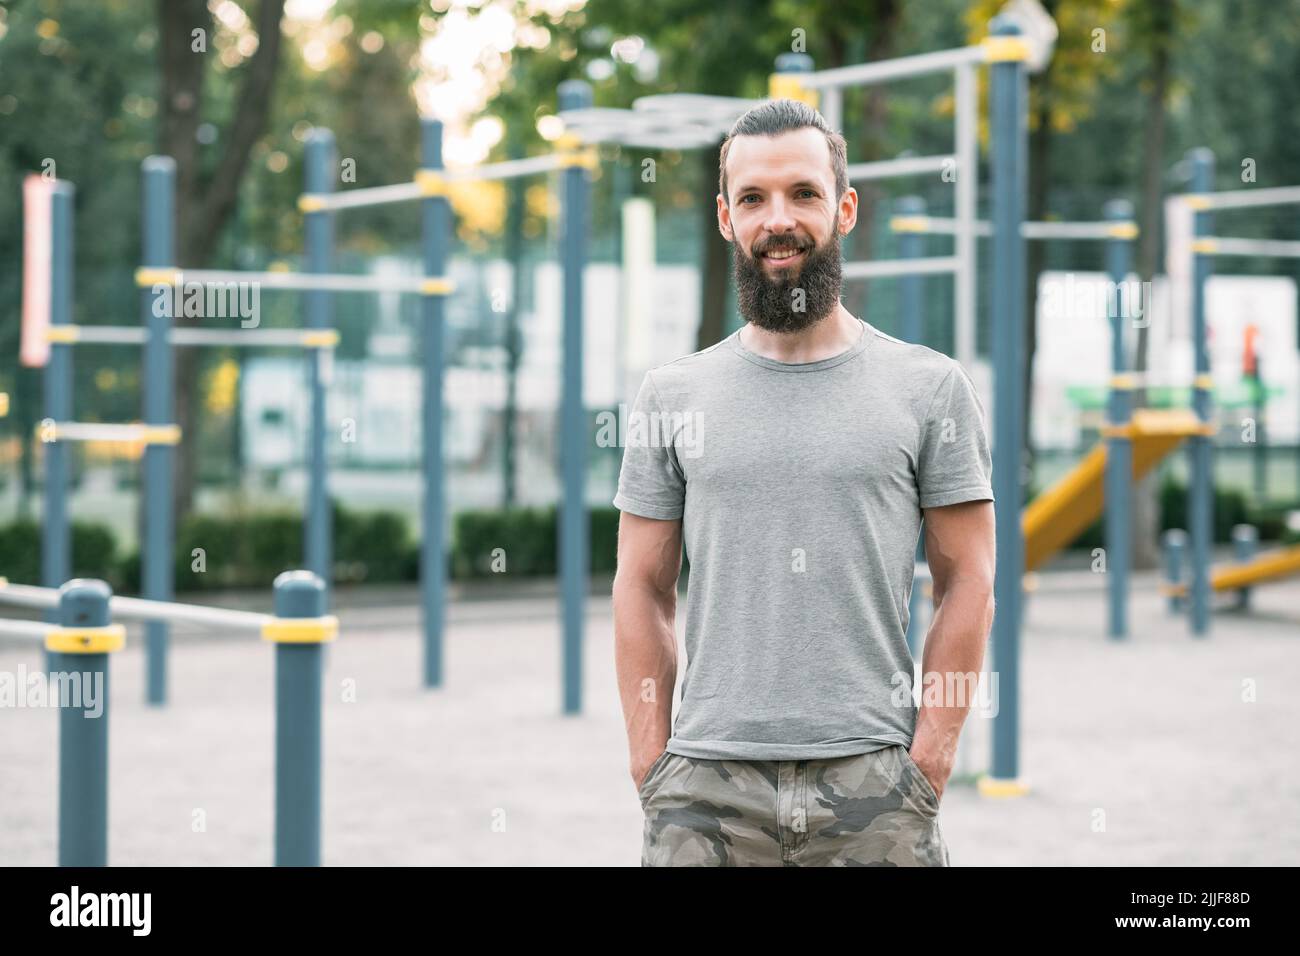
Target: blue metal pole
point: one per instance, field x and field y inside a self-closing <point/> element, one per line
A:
<point x="1175" y="548"/>
<point x="1245" y="545"/>
<point x="79" y="651"/>
<point x="56" y="534"/>
<point x="911" y="245"/>
<point x="1200" y="505"/>
<point x="1008" y="120"/>
<point x="1119" y="448"/>
<point x="435" y="232"/>
<point x="299" y="649"/>
<point x="157" y="573"/>
<point x="319" y="162"/>
<point x="574" y="540"/>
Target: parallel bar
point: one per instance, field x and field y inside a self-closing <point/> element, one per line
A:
<point x="885" y="268"/>
<point x="250" y="338"/>
<point x="904" y="166"/>
<point x="868" y="74"/>
<point x="27" y="630"/>
<point x="140" y="609"/>
<point x="53" y="432"/>
<point x="1241" y="199"/>
<point x="309" y="282"/>
<point x="1227" y="246"/>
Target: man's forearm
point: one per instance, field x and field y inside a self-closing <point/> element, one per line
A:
<point x="950" y="667"/>
<point x="645" y="658"/>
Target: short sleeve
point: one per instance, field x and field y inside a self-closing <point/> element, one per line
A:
<point x="651" y="482"/>
<point x="954" y="464"/>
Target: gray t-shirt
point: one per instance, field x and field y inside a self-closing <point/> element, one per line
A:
<point x="800" y="489"/>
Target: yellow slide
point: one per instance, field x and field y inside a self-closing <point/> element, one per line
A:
<point x="1268" y="566"/>
<point x="1062" y="512"/>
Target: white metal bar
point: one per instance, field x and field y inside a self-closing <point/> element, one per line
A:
<point x="131" y="432"/>
<point x="1227" y="246"/>
<point x="868" y="74"/>
<point x="1242" y="198"/>
<point x="885" y="268"/>
<point x="966" y="145"/>
<point x="832" y="107"/>
<point x="139" y="609"/>
<point x="28" y="630"/>
<point x="369" y="196"/>
<point x="276" y="338"/>
<point x="306" y="281"/>
<point x="508" y="169"/>
<point x="943" y="225"/>
<point x="102" y="334"/>
<point x="892" y="168"/>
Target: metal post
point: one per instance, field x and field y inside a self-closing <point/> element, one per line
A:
<point x="79" y="649"/>
<point x="298" y="657"/>
<point x="1200" y="504"/>
<point x="1175" y="548"/>
<point x="435" y="219"/>
<point x="157" y="574"/>
<point x="1119" y="448"/>
<point x="56" y="534"/>
<point x="966" y="123"/>
<point x="911" y="245"/>
<point x="1010" y="171"/>
<point x="1245" y="545"/>
<point x="574" y="541"/>
<point x="319" y="163"/>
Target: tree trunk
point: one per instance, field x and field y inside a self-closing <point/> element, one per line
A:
<point x="1145" y="505"/>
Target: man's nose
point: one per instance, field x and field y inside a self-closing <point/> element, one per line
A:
<point x="779" y="220"/>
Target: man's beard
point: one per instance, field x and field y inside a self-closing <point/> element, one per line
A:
<point x="789" y="300"/>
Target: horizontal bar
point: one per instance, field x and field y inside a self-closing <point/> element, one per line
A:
<point x="133" y="432"/>
<point x="904" y="166"/>
<point x="139" y="609"/>
<point x="28" y="630"/>
<point x="1242" y="198"/>
<point x="867" y="74"/>
<point x="1225" y="246"/>
<point x="884" y="268"/>
<point x="360" y="198"/>
<point x="1030" y="230"/>
<point x="133" y="335"/>
<point x="307" y="281"/>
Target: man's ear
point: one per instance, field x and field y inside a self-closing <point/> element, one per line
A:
<point x="724" y="219"/>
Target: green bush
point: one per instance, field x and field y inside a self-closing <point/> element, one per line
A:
<point x="528" y="537"/>
<point x="93" y="552"/>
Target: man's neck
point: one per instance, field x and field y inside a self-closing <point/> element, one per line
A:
<point x="826" y="338"/>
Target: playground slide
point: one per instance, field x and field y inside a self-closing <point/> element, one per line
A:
<point x="1062" y="512"/>
<point x="1269" y="566"/>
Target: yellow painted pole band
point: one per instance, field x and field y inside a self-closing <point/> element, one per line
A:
<point x="161" y="276"/>
<point x="4" y="582"/>
<point x="1122" y="230"/>
<point x="86" y="640"/>
<point x="323" y="339"/>
<point x="4" y="410"/>
<point x="63" y="334"/>
<point x="1205" y="247"/>
<point x="1197" y="201"/>
<point x="1203" y="381"/>
<point x="586" y="158"/>
<point x="567" y="142"/>
<point x="309" y="203"/>
<point x="786" y="86"/>
<point x="431" y="182"/>
<point x="910" y="223"/>
<point x="437" y="287"/>
<point x="993" y="787"/>
<point x="160" y="434"/>
<point x="301" y="630"/>
<point x="1123" y="382"/>
<point x="1005" y="49"/>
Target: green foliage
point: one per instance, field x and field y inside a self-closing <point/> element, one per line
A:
<point x="528" y="538"/>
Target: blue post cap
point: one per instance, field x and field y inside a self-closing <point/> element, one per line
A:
<point x="430" y="143"/>
<point x="158" y="164"/>
<point x="83" y="602"/>
<point x="574" y="95"/>
<point x="794" y="63"/>
<point x="1004" y="26"/>
<point x="910" y="206"/>
<point x="299" y="594"/>
<point x="1120" y="210"/>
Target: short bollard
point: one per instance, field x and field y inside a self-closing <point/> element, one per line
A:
<point x="1245" y="545"/>
<point x="1175" y="541"/>
<point x="79" y="647"/>
<point x="299" y="629"/>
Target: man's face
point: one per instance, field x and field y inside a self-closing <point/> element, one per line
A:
<point x="785" y="225"/>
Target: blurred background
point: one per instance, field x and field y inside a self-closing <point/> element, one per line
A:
<point x="88" y="89"/>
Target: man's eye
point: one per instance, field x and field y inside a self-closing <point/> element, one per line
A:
<point x="750" y="196"/>
<point x="808" y="191"/>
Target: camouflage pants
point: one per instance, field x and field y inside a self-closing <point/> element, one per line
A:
<point x="874" y="809"/>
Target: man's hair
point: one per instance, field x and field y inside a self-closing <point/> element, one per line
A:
<point x="781" y="116"/>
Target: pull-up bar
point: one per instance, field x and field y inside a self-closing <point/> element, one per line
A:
<point x="1030" y="230"/>
<point x="302" y="281"/>
<point x="1226" y="246"/>
<point x="1243" y="198"/>
<point x="251" y="338"/>
<point x="136" y="433"/>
